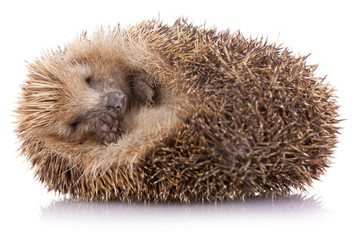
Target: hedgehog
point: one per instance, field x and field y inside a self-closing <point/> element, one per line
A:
<point x="156" y="112"/>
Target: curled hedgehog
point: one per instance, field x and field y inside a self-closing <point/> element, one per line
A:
<point x="159" y="112"/>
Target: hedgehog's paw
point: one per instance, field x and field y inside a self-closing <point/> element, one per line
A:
<point x="143" y="87"/>
<point x="107" y="127"/>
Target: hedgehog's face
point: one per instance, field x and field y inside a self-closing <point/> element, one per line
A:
<point x="83" y="94"/>
<point x="96" y="97"/>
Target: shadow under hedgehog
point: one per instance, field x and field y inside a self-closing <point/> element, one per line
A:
<point x="161" y="112"/>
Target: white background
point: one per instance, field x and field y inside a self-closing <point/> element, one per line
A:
<point x="329" y="30"/>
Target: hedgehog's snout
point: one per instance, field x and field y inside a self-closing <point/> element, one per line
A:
<point x="114" y="100"/>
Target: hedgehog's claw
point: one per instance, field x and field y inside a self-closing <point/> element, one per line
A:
<point x="107" y="129"/>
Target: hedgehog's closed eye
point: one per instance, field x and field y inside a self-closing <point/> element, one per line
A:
<point x="74" y="124"/>
<point x="88" y="80"/>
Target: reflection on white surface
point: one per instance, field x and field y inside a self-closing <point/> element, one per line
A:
<point x="117" y="212"/>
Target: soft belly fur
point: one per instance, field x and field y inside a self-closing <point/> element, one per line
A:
<point x="158" y="113"/>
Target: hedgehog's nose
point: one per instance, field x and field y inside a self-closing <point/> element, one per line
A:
<point x="115" y="100"/>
